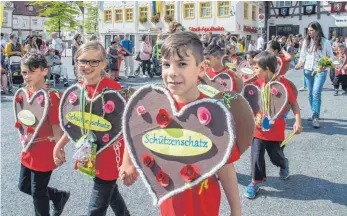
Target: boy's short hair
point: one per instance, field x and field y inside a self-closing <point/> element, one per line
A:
<point x="213" y="50"/>
<point x="113" y="42"/>
<point x="34" y="59"/>
<point x="265" y="60"/>
<point x="275" y="45"/>
<point x="179" y="43"/>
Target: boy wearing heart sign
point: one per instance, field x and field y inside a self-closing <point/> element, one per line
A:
<point x="111" y="160"/>
<point x="270" y="139"/>
<point x="38" y="139"/>
<point x="213" y="58"/>
<point x="183" y="65"/>
<point x="275" y="48"/>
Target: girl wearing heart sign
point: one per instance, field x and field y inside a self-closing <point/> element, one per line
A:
<point x="270" y="126"/>
<point x="275" y="48"/>
<point x="100" y="149"/>
<point x="213" y="58"/>
<point x="37" y="121"/>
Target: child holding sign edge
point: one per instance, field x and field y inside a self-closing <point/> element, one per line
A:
<point x="91" y="61"/>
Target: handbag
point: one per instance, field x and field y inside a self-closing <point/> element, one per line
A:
<point x="138" y="57"/>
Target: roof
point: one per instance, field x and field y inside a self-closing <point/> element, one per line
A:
<point x="20" y="8"/>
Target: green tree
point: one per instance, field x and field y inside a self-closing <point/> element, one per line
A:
<point x="91" y="21"/>
<point x="61" y="15"/>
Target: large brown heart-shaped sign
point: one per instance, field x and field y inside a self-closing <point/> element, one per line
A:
<point x="220" y="83"/>
<point x="30" y="114"/>
<point x="106" y="118"/>
<point x="252" y="94"/>
<point x="278" y="98"/>
<point x="246" y="71"/>
<point x="295" y="92"/>
<point x="182" y="142"/>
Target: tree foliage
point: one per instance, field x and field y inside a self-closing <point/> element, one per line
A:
<point x="91" y="23"/>
<point x="61" y="14"/>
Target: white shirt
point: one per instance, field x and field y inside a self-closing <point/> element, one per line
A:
<point x="251" y="47"/>
<point x="311" y="58"/>
<point x="57" y="44"/>
<point x="260" y="43"/>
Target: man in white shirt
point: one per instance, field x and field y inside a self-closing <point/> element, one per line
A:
<point x="260" y="43"/>
<point x="58" y="44"/>
<point x="251" y="46"/>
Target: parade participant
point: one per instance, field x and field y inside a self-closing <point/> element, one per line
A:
<point x="183" y="65"/>
<point x="100" y="145"/>
<point x="213" y="58"/>
<point x="270" y="127"/>
<point x="38" y="135"/>
<point x="314" y="47"/>
<point x="275" y="48"/>
<point x="340" y="70"/>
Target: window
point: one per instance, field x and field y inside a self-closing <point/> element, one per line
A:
<point x="309" y="3"/>
<point x="15" y="21"/>
<point x="254" y="13"/>
<point x="129" y="14"/>
<point x="143" y="11"/>
<point x="205" y="10"/>
<point x="245" y="11"/>
<point x="107" y="15"/>
<point x="283" y="4"/>
<point x="118" y="15"/>
<point x="30" y="8"/>
<point x="223" y="8"/>
<point x="189" y="10"/>
<point x="170" y="9"/>
<point x="34" y="21"/>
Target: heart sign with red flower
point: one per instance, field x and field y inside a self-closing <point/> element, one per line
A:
<point x="104" y="120"/>
<point x="246" y="71"/>
<point x="30" y="113"/>
<point x="222" y="82"/>
<point x="177" y="149"/>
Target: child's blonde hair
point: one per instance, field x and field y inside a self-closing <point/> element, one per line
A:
<point x="91" y="46"/>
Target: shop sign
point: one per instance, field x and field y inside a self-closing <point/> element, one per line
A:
<point x="341" y="21"/>
<point x="206" y="29"/>
<point x="250" y="29"/>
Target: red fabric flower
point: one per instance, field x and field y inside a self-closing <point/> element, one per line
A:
<point x="204" y="115"/>
<point x="274" y="91"/>
<point x="190" y="172"/>
<point x="19" y="99"/>
<point x="30" y="130"/>
<point x="245" y="76"/>
<point x="222" y="81"/>
<point x="18" y="124"/>
<point x="163" y="118"/>
<point x="250" y="92"/>
<point x="148" y="160"/>
<point x="109" y="106"/>
<point x="162" y="178"/>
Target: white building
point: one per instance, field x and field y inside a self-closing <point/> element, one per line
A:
<point x="238" y="18"/>
<point x="22" y="19"/>
<point x="293" y="17"/>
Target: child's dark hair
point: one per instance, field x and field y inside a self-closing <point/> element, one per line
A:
<point x="34" y="59"/>
<point x="179" y="43"/>
<point x="341" y="45"/>
<point x="252" y="53"/>
<point x="275" y="45"/>
<point x="213" y="50"/>
<point x="113" y="42"/>
<point x="265" y="60"/>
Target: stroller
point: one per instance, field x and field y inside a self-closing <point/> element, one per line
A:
<point x="15" y="76"/>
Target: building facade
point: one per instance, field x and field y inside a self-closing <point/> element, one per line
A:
<point x="293" y="17"/>
<point x="219" y="17"/>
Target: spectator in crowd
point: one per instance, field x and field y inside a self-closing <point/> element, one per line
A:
<point x="227" y="38"/>
<point x="146" y="55"/>
<point x="336" y="44"/>
<point x="13" y="47"/>
<point x="112" y="54"/>
<point x="240" y="46"/>
<point x="58" y="44"/>
<point x="221" y="41"/>
<point x="129" y="49"/>
<point x="4" y="78"/>
<point x="251" y="46"/>
<point x="56" y="67"/>
<point x="76" y="43"/>
<point x="3" y="45"/>
<point x="273" y="38"/>
<point x="31" y="44"/>
<point x="121" y="53"/>
<point x="175" y="27"/>
<point x="260" y="42"/>
<point x="93" y="38"/>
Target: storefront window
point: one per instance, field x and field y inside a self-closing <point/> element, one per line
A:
<point x="108" y="16"/>
<point x="205" y="10"/>
<point x="223" y="8"/>
<point x="170" y="9"/>
<point x="189" y="10"/>
<point x="118" y="15"/>
<point x="129" y="14"/>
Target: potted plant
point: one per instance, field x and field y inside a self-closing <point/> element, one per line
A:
<point x="168" y="18"/>
<point x="155" y="19"/>
<point x="143" y="19"/>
